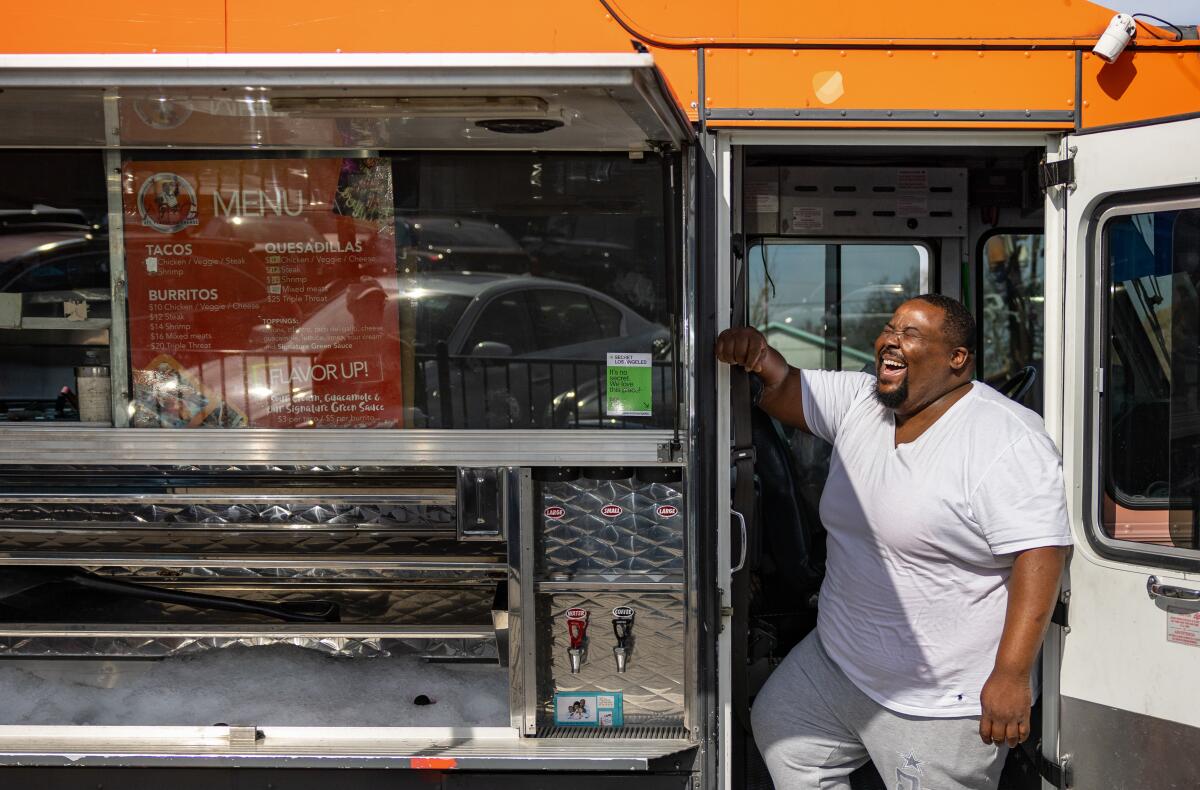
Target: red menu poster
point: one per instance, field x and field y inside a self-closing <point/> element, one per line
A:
<point x="262" y="293"/>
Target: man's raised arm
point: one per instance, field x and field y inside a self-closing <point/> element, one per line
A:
<point x="781" y="398"/>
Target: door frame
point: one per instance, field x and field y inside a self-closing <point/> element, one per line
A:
<point x="724" y="149"/>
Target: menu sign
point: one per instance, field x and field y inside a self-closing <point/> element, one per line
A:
<point x="263" y="293"/>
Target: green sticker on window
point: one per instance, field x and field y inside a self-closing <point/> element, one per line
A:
<point x="629" y="386"/>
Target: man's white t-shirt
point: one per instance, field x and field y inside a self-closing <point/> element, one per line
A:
<point x="921" y="538"/>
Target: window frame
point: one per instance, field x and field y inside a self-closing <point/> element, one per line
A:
<point x="1096" y="436"/>
<point x="929" y="269"/>
<point x="121" y="445"/>
<point x="977" y="272"/>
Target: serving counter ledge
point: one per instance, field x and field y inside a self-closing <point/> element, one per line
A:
<point x="451" y="748"/>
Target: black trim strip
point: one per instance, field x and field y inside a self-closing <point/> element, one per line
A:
<point x="1078" y="90"/>
<point x="705" y="453"/>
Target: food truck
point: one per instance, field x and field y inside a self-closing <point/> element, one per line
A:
<point x="359" y="421"/>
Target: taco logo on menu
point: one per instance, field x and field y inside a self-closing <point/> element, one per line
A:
<point x="167" y="203"/>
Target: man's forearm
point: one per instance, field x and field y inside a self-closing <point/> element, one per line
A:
<point x="1033" y="589"/>
<point x="782" y="398"/>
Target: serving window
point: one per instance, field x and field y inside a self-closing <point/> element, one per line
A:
<point x="304" y="289"/>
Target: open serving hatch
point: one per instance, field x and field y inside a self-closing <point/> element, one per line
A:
<point x="365" y="596"/>
<point x="595" y="102"/>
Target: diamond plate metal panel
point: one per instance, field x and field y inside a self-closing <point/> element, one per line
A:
<point x="164" y="647"/>
<point x="609" y="527"/>
<point x="276" y="574"/>
<point x="652" y="685"/>
<point x="272" y="513"/>
<point x="426" y="606"/>
<point x="299" y="544"/>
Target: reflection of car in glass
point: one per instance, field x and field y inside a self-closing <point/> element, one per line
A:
<point x="609" y="252"/>
<point x="494" y="350"/>
<point x="436" y="243"/>
<point x="51" y="257"/>
<point x="51" y="251"/>
<point x="519" y="351"/>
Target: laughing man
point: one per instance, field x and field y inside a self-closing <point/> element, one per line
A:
<point x="947" y="530"/>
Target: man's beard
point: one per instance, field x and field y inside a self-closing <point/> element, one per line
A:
<point x="892" y="400"/>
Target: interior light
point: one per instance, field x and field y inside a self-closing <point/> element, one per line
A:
<point x="519" y="125"/>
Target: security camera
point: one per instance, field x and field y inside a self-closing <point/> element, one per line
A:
<point x="1116" y="37"/>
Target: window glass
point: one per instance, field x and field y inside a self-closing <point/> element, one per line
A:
<point x="1151" y="397"/>
<point x="1012" y="310"/>
<point x="608" y="317"/>
<point x="282" y="290"/>
<point x="563" y="318"/>
<point x="503" y="328"/>
<point x="875" y="280"/>
<point x="55" y="304"/>
<point x="823" y="305"/>
<point x="437" y="315"/>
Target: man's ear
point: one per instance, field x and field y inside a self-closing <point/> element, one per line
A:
<point x="959" y="358"/>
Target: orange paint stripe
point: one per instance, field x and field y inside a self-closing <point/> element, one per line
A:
<point x="436" y="763"/>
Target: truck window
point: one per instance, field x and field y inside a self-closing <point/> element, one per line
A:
<point x="822" y="305"/>
<point x="1011" y="309"/>
<point x="1150" y="406"/>
<point x="55" y="303"/>
<point x="405" y="290"/>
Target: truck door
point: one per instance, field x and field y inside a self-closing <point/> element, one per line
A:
<point x="1128" y="647"/>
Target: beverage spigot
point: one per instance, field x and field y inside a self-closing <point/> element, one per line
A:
<point x="623" y="630"/>
<point x="577" y="623"/>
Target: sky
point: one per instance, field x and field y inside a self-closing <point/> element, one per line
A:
<point x="1180" y="12"/>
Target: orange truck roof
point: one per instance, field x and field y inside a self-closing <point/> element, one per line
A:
<point x="762" y="63"/>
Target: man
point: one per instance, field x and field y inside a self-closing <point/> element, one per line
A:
<point x="947" y="530"/>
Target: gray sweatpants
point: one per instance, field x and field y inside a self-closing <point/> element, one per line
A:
<point x="815" y="727"/>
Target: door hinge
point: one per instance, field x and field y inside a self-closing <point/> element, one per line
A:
<point x="738" y="244"/>
<point x="1062" y="609"/>
<point x="1057" y="174"/>
<point x="1060" y="774"/>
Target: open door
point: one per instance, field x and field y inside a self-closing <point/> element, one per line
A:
<point x="1128" y="683"/>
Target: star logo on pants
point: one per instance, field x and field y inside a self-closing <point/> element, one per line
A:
<point x="910" y="761"/>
